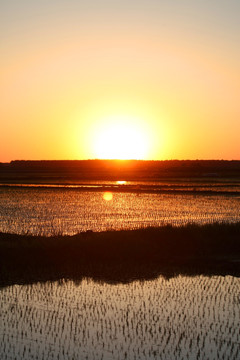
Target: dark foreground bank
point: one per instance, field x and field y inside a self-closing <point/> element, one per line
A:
<point x="121" y="256"/>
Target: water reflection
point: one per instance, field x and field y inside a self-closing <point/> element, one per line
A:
<point x="49" y="211"/>
<point x="116" y="272"/>
<point x="182" y="318"/>
<point x="108" y="196"/>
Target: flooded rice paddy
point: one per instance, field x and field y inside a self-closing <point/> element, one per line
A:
<point x="179" y="318"/>
<point x="47" y="210"/>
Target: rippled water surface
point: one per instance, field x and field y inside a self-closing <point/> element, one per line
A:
<point x="181" y="318"/>
<point x="46" y="210"/>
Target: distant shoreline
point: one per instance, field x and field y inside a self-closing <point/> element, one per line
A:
<point x="121" y="256"/>
<point x="125" y="189"/>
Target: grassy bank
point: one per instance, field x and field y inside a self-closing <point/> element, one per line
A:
<point x="121" y="256"/>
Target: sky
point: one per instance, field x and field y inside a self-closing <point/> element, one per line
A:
<point x="145" y="79"/>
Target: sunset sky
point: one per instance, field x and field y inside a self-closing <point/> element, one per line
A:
<point x="146" y="79"/>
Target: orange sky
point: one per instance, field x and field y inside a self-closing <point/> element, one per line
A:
<point x="168" y="71"/>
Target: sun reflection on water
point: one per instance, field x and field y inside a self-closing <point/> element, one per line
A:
<point x="108" y="196"/>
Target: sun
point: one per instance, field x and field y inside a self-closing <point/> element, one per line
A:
<point x="121" y="138"/>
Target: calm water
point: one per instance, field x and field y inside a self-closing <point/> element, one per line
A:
<point x="181" y="318"/>
<point x="67" y="210"/>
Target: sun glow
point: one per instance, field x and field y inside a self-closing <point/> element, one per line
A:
<point x="121" y="138"/>
<point x="107" y="196"/>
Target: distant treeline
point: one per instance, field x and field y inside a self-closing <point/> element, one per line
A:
<point x="68" y="170"/>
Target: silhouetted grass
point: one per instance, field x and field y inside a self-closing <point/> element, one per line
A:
<point x="122" y="255"/>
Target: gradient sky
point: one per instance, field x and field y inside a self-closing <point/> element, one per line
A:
<point x="170" y="68"/>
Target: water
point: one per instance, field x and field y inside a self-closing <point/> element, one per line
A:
<point x="50" y="210"/>
<point x="181" y="318"/>
<point x="194" y="318"/>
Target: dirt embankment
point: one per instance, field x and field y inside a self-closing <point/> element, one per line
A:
<point x="121" y="256"/>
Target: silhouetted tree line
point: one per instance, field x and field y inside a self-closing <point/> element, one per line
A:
<point x="116" y="169"/>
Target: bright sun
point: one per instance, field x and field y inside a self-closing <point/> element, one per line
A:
<point x="121" y="138"/>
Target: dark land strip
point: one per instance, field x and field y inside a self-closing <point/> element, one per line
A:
<point x="121" y="256"/>
<point x="129" y="189"/>
<point x="76" y="170"/>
